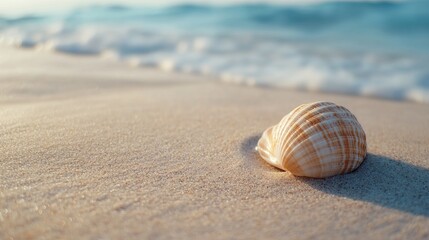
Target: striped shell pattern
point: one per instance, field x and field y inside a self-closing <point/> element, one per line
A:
<point x="317" y="140"/>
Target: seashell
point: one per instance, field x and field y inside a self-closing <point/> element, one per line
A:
<point x="316" y="140"/>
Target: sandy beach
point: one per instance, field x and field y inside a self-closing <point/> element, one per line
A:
<point x="93" y="149"/>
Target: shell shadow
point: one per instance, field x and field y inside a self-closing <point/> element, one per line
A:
<point x="379" y="180"/>
<point x="383" y="181"/>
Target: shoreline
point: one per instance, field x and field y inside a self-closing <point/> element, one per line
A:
<point x="131" y="63"/>
<point x="96" y="149"/>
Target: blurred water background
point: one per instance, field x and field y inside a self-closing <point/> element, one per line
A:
<point x="376" y="49"/>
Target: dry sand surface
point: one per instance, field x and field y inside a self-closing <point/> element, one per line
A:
<point x="92" y="149"/>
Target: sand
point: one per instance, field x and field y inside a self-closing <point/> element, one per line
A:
<point x="93" y="149"/>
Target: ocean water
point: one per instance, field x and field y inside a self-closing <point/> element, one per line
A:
<point x="376" y="49"/>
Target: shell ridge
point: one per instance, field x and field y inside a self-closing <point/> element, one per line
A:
<point x="322" y="109"/>
<point x="303" y="162"/>
<point x="264" y="144"/>
<point x="361" y="146"/>
<point x="309" y="122"/>
<point x="332" y="163"/>
<point x="290" y="146"/>
<point x="297" y="135"/>
<point x="359" y="137"/>
<point x="286" y="121"/>
<point x="302" y="121"/>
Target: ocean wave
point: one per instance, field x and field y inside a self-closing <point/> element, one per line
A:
<point x="372" y="49"/>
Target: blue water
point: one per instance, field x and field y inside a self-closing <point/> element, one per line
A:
<point x="377" y="49"/>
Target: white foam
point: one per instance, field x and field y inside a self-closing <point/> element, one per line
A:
<point x="239" y="59"/>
